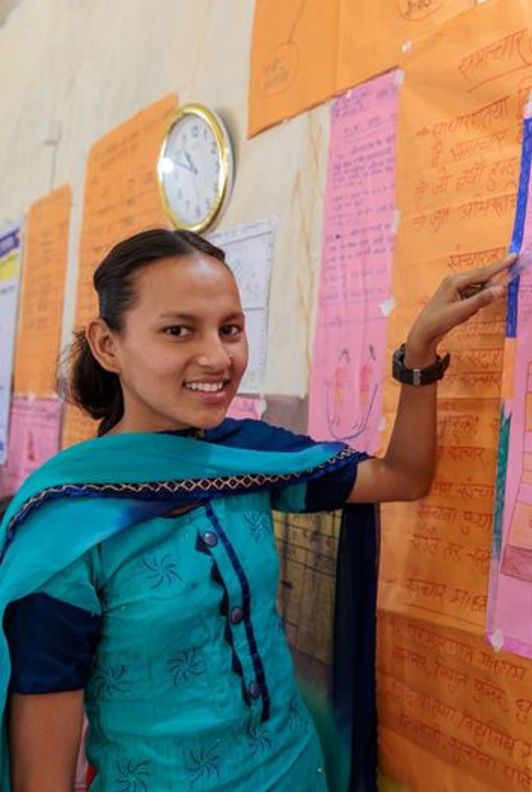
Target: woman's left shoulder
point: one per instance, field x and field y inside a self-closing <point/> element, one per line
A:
<point x="260" y="435"/>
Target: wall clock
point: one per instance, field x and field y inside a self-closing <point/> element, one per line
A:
<point x="195" y="168"/>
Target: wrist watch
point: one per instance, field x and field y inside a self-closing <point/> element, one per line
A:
<point x="414" y="376"/>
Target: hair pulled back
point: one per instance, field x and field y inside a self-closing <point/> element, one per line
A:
<point x="90" y="387"/>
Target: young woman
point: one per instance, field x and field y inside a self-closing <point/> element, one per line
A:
<point x="139" y="569"/>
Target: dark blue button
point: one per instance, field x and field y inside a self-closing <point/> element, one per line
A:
<point x="254" y="690"/>
<point x="210" y="539"/>
<point x="237" y="614"/>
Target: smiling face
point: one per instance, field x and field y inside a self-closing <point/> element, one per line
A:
<point x="182" y="351"/>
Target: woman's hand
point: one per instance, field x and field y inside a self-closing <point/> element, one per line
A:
<point x="451" y="305"/>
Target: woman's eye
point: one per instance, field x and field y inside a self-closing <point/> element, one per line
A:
<point x="231" y="330"/>
<point x="177" y="330"/>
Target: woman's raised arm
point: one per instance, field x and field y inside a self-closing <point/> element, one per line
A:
<point x="407" y="468"/>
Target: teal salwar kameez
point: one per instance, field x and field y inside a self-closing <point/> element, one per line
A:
<point x="169" y="623"/>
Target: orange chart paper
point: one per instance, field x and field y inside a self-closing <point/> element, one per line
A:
<point x="453" y="711"/>
<point x="43" y="285"/>
<point x="121" y="198"/>
<point x="293" y="58"/>
<point x="305" y="51"/>
<point x="453" y="715"/>
<point x="373" y="35"/>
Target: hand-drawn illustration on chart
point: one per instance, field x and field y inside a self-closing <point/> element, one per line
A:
<point x="282" y="62"/>
<point x="351" y="400"/>
<point x="517" y="556"/>
<point x="412" y="10"/>
<point x="286" y="74"/>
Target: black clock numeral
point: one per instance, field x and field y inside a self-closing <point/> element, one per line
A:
<point x="198" y="211"/>
<point x="213" y="148"/>
<point x="195" y="131"/>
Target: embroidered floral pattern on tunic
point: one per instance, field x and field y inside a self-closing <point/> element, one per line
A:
<point x="186" y="665"/>
<point x="111" y="681"/>
<point x="259" y="738"/>
<point x="203" y="763"/>
<point x="132" y="776"/>
<point x="161" y="571"/>
<point x="258" y="523"/>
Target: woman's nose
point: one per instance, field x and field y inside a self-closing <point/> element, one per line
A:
<point x="214" y="355"/>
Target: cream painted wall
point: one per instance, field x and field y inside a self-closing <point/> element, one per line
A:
<point x="90" y="64"/>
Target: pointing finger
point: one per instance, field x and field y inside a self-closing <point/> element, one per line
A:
<point x="483" y="274"/>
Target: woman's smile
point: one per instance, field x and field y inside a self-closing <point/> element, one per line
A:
<point x="209" y="391"/>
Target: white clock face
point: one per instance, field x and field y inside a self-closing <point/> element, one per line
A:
<point x="190" y="169"/>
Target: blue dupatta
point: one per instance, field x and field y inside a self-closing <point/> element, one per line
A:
<point x="79" y="499"/>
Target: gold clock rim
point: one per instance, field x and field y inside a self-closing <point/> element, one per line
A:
<point x="224" y="177"/>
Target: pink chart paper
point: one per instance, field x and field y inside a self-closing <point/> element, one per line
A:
<point x="33" y="438"/>
<point x="354" y="296"/>
<point x="510" y="600"/>
<point x="245" y="407"/>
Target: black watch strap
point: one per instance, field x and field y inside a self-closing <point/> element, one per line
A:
<point x="418" y="377"/>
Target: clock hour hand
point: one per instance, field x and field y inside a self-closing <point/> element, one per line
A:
<point x="189" y="160"/>
<point x="179" y="161"/>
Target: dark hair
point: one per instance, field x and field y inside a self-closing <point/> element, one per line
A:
<point x="4" y="503"/>
<point x="89" y="386"/>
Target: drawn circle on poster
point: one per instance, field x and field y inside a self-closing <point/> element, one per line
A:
<point x="412" y="10"/>
<point x="280" y="69"/>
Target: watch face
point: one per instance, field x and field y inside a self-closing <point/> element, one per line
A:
<point x="193" y="170"/>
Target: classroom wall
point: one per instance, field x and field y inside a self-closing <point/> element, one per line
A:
<point x="89" y="66"/>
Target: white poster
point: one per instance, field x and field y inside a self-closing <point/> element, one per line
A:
<point x="249" y="253"/>
<point x="10" y="267"/>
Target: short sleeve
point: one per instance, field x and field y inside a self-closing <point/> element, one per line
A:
<point x="53" y="633"/>
<point x="327" y="493"/>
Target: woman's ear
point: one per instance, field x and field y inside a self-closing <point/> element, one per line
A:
<point x="102" y="342"/>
